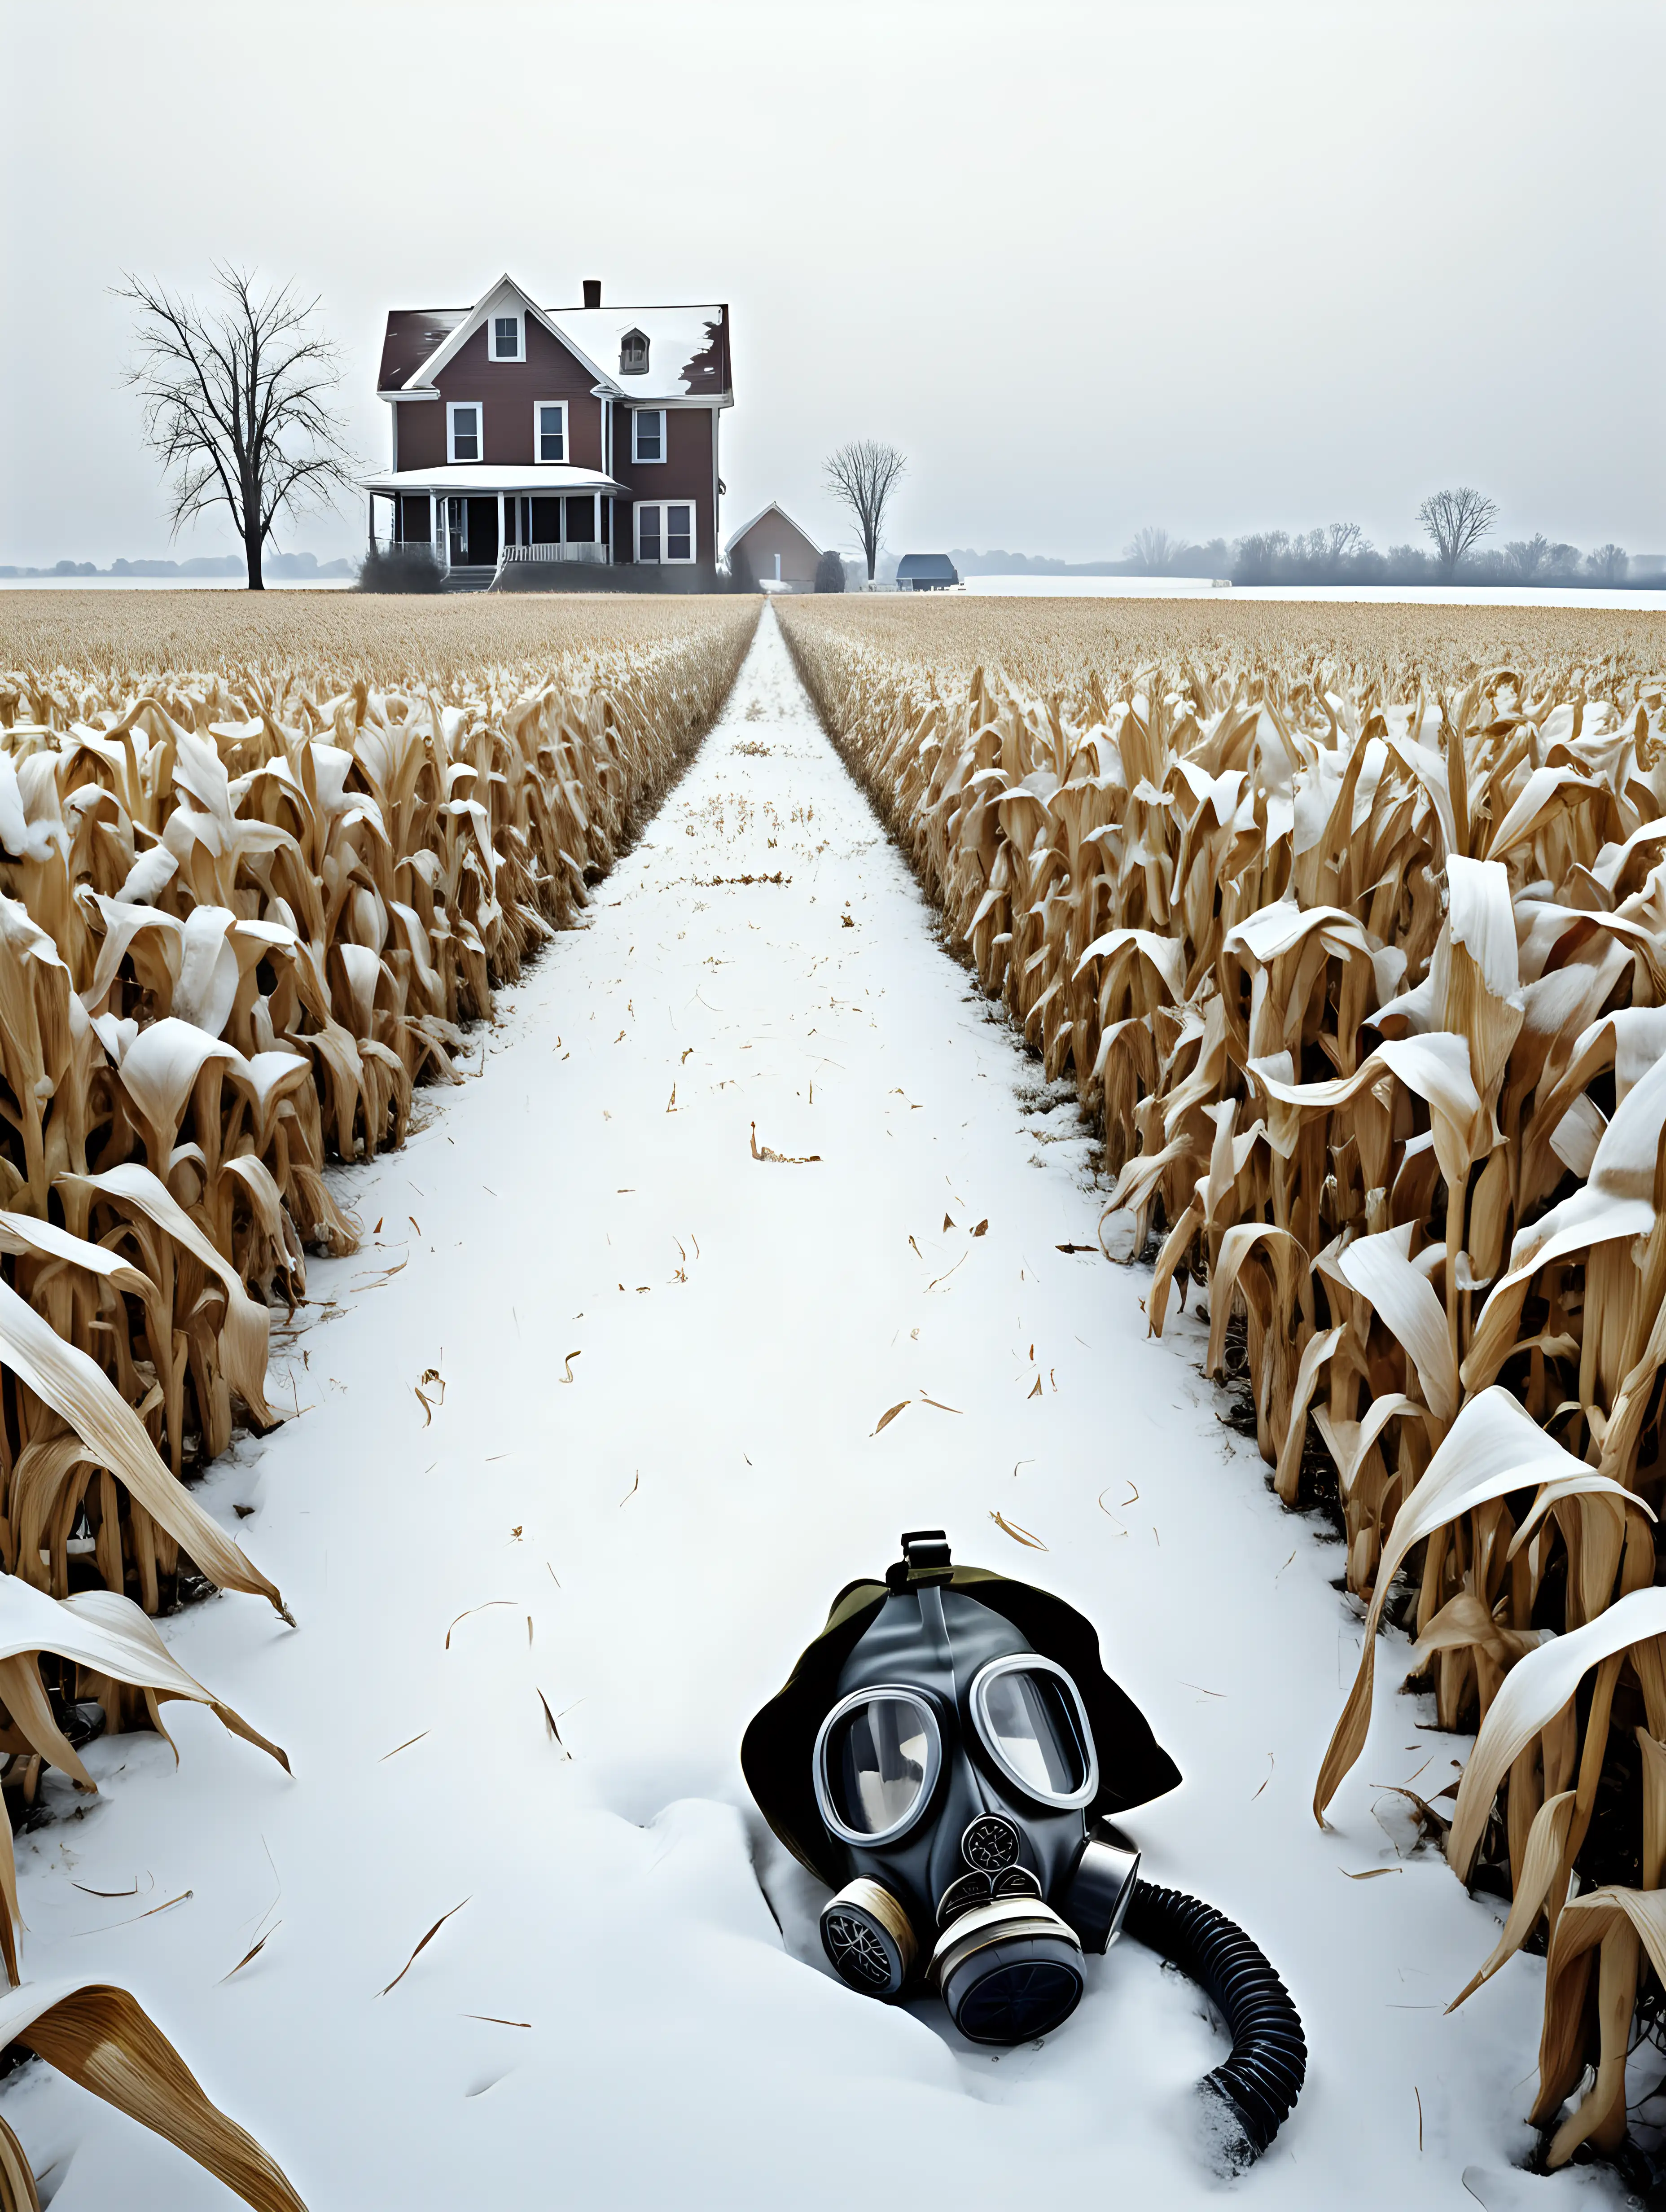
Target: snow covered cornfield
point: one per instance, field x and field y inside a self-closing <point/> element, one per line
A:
<point x="1351" y="925"/>
<point x="260" y="865"/>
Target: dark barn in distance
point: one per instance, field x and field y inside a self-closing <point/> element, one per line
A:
<point x="926" y="571"/>
<point x="778" y="549"/>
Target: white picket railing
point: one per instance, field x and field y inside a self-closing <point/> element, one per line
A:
<point x="571" y="552"/>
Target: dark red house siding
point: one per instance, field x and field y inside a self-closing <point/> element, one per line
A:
<point x="686" y="473"/>
<point x="507" y="391"/>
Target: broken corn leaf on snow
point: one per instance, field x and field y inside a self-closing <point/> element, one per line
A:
<point x="1351" y="925"/>
<point x="105" y="2041"/>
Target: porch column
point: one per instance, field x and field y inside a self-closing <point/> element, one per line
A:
<point x="370" y="520"/>
<point x="434" y="514"/>
<point x="503" y="540"/>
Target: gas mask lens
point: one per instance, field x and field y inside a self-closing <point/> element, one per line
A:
<point x="1030" y="1717"/>
<point x="877" y="1758"/>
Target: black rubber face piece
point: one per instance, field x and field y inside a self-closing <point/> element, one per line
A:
<point x="1016" y="2002"/>
<point x="990" y="1845"/>
<point x="853" y="1944"/>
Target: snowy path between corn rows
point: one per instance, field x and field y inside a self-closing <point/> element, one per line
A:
<point x="611" y="2018"/>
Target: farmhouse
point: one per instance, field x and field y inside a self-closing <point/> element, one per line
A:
<point x="779" y="551"/>
<point x="522" y="433"/>
<point x="926" y="571"/>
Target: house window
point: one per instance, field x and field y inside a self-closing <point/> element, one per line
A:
<point x="506" y="337"/>
<point x="665" y="530"/>
<point x="550" y="430"/>
<point x="462" y="430"/>
<point x="633" y="353"/>
<point x="650" y="435"/>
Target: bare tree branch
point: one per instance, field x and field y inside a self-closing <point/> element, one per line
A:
<point x="237" y="403"/>
<point x="1457" y="520"/>
<point x="863" y="477"/>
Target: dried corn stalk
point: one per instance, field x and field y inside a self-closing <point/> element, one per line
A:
<point x="240" y="916"/>
<point x="1353" y="932"/>
<point x="247" y="900"/>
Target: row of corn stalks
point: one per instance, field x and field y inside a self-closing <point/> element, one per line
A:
<point x="240" y="919"/>
<point x="1366" y="974"/>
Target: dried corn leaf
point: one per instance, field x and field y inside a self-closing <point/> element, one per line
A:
<point x="105" y="2041"/>
<point x="79" y="1392"/>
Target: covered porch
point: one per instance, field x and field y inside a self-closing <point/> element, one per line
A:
<point x="482" y="518"/>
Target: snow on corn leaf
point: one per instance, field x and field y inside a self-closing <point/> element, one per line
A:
<point x="1493" y="1449"/>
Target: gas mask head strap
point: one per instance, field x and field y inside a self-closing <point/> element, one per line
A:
<point x="925" y="1562"/>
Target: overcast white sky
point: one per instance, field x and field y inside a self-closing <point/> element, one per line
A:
<point x="1215" y="267"/>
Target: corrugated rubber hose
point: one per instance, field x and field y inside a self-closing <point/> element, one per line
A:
<point x="1258" y="2086"/>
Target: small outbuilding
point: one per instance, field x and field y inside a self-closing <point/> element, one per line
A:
<point x="779" y="551"/>
<point x="926" y="571"/>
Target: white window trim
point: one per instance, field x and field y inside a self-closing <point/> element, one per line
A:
<point x="507" y="359"/>
<point x="660" y="506"/>
<point x="636" y="414"/>
<point x="479" y="414"/>
<point x="538" y="406"/>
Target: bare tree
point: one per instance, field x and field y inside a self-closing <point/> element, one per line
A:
<point x="1527" y="559"/>
<point x="1608" y="564"/>
<point x="1152" y="552"/>
<point x="863" y="477"/>
<point x="1457" y="520"/>
<point x="237" y="403"/>
<point x="1343" y="540"/>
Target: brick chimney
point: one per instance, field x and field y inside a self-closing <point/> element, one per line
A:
<point x="592" y="291"/>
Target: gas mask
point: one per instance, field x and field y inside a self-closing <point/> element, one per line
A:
<point x="944" y="1757"/>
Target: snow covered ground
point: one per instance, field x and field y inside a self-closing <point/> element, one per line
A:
<point x="652" y="1464"/>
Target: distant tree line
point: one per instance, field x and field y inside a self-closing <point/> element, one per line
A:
<point x="290" y="565"/>
<point x="1454" y="522"/>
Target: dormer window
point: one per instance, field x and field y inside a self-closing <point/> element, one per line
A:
<point x="633" y="353"/>
<point x="506" y="337"/>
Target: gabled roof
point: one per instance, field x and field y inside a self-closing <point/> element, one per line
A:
<point x="491" y="303"/>
<point x="773" y="507"/>
<point x="688" y="346"/>
<point x="928" y="568"/>
<point x="412" y="335"/>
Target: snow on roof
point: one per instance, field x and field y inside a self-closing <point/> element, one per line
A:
<point x="688" y="346"/>
<point x="540" y="477"/>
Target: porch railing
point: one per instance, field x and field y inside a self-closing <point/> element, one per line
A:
<point x="569" y="552"/>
